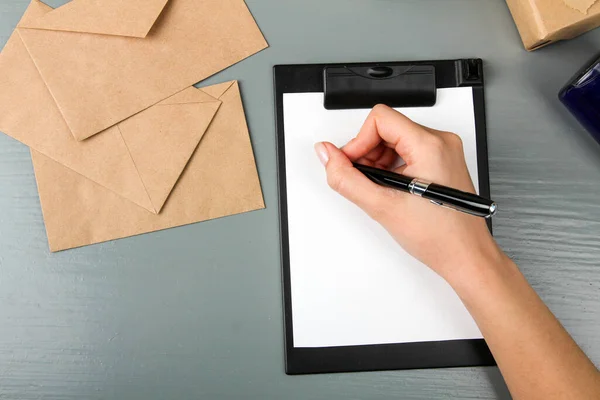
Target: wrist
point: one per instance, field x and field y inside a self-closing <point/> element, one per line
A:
<point x="484" y="267"/>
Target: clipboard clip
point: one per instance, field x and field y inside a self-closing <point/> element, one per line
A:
<point x="396" y="85"/>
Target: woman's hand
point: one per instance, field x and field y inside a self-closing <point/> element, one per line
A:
<point x="448" y="241"/>
<point x="537" y="357"/>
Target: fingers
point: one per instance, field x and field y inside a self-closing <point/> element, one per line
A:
<point x="393" y="129"/>
<point x="375" y="154"/>
<point x="386" y="159"/>
<point x="351" y="183"/>
<point x="380" y="157"/>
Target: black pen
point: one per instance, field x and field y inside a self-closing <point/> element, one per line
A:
<point x="441" y="195"/>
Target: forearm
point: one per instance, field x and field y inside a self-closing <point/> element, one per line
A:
<point x="537" y="357"/>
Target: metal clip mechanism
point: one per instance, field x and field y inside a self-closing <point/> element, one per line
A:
<point x="418" y="187"/>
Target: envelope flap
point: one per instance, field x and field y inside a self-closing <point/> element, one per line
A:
<point x="99" y="80"/>
<point x="220" y="179"/>
<point x="133" y="18"/>
<point x="218" y="90"/>
<point x="189" y="95"/>
<point x="29" y="114"/>
<point x="161" y="141"/>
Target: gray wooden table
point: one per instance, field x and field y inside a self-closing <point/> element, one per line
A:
<point x="195" y="312"/>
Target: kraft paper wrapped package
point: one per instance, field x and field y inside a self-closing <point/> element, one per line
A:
<point x="542" y="22"/>
<point x="101" y="93"/>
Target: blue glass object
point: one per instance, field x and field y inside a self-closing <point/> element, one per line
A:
<point x="582" y="97"/>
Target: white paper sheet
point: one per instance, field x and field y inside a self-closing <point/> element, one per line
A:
<point x="351" y="283"/>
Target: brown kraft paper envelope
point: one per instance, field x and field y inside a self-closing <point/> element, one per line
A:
<point x="219" y="180"/>
<point x="140" y="158"/>
<point x="104" y="61"/>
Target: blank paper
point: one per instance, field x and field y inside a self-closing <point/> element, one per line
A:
<point x="351" y="283"/>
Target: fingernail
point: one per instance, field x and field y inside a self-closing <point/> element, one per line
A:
<point x="322" y="153"/>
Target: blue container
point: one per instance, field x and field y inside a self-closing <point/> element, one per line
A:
<point x="582" y="97"/>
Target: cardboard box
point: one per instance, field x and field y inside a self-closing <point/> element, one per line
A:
<point x="541" y="22"/>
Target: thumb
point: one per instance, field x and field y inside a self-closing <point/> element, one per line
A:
<point x="351" y="183"/>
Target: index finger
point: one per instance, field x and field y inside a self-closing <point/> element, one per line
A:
<point x="384" y="124"/>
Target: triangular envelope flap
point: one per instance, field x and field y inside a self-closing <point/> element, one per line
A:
<point x="161" y="141"/>
<point x="220" y="179"/>
<point x="29" y="114"/>
<point x="189" y="95"/>
<point x="132" y="18"/>
<point x="217" y="91"/>
<point x="190" y="41"/>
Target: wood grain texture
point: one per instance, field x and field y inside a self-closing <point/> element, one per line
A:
<point x="195" y="312"/>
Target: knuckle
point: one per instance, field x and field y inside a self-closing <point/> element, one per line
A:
<point x="379" y="108"/>
<point x="379" y="111"/>
<point x="454" y="140"/>
<point x="437" y="144"/>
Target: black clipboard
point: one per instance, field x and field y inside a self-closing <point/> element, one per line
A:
<point x="414" y="88"/>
